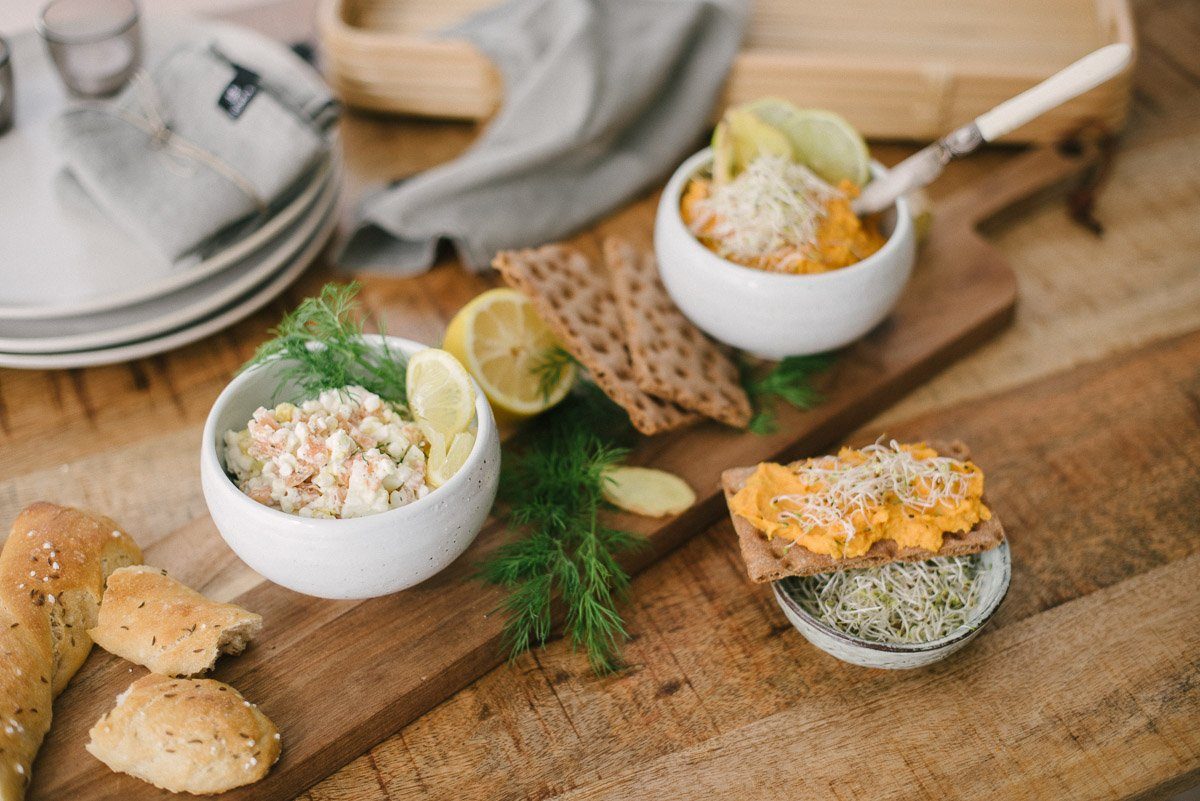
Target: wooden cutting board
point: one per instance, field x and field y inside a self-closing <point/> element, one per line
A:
<point x="338" y="677"/>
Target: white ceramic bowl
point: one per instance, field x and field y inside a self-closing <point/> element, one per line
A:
<point x="995" y="571"/>
<point x="774" y="315"/>
<point x="359" y="557"/>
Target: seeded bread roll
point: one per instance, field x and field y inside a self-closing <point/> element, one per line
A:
<point x="150" y="618"/>
<point x="52" y="573"/>
<point x="186" y="735"/>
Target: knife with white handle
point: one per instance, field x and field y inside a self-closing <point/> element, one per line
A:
<point x="925" y="165"/>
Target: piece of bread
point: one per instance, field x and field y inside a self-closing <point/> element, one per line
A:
<point x="672" y="359"/>
<point x="770" y="560"/>
<point x="572" y="296"/>
<point x="150" y="618"/>
<point x="186" y="735"/>
<point x="52" y="573"/>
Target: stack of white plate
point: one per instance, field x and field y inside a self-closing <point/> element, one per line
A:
<point x="76" y="290"/>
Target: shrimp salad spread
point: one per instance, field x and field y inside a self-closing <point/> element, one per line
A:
<point x="348" y="453"/>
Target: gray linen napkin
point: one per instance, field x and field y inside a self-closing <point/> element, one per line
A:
<point x="602" y="97"/>
<point x="199" y="144"/>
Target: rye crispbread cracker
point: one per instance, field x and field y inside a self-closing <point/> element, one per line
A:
<point x="671" y="358"/>
<point x="573" y="298"/>
<point x="770" y="561"/>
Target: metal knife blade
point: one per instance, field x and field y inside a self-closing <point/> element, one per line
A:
<point x="917" y="170"/>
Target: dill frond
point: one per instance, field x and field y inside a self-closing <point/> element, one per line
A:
<point x="789" y="380"/>
<point x="763" y="422"/>
<point x="551" y="486"/>
<point x="321" y="345"/>
<point x="549" y="369"/>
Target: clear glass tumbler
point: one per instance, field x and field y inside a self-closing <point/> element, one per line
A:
<point x="95" y="44"/>
<point x="6" y="86"/>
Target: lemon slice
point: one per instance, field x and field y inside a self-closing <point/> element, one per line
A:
<point x="440" y="392"/>
<point x="447" y="455"/>
<point x="741" y="137"/>
<point x="503" y="343"/>
<point x="646" y="491"/>
<point x="821" y="140"/>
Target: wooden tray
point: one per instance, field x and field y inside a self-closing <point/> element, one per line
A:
<point x="910" y="70"/>
<point x="339" y="677"/>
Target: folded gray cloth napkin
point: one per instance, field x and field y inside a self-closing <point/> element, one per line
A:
<point x="212" y="136"/>
<point x="602" y="97"/>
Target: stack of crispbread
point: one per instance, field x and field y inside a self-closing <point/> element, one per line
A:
<point x="621" y="325"/>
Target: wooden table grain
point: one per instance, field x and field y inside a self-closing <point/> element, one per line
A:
<point x="1086" y="414"/>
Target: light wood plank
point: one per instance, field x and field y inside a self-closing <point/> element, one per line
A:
<point x="1095" y="699"/>
<point x="1083" y="297"/>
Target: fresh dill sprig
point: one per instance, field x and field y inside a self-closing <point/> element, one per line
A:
<point x="763" y="422"/>
<point x="321" y="344"/>
<point x="551" y="487"/>
<point x="789" y="380"/>
<point x="549" y="369"/>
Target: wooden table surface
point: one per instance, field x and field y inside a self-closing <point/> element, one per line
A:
<point x="1086" y="414"/>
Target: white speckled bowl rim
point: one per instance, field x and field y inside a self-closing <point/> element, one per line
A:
<point x="209" y="450"/>
<point x="977" y="621"/>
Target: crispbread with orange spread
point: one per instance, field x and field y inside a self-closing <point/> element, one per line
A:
<point x="776" y="558"/>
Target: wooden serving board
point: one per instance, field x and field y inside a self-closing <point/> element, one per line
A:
<point x="910" y="70"/>
<point x="338" y="677"/>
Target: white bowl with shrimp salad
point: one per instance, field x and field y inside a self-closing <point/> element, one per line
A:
<point x="900" y="615"/>
<point x="339" y="494"/>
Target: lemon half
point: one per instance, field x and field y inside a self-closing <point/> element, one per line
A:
<point x="440" y="392"/>
<point x="503" y="343"/>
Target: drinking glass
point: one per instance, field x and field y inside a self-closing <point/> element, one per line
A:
<point x="6" y="86"/>
<point x="95" y="44"/>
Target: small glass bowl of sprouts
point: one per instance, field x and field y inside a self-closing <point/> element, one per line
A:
<point x="899" y="615"/>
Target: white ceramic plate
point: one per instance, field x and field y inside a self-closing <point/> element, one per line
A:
<point x="240" y="309"/>
<point x="153" y="317"/>
<point x="60" y="255"/>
